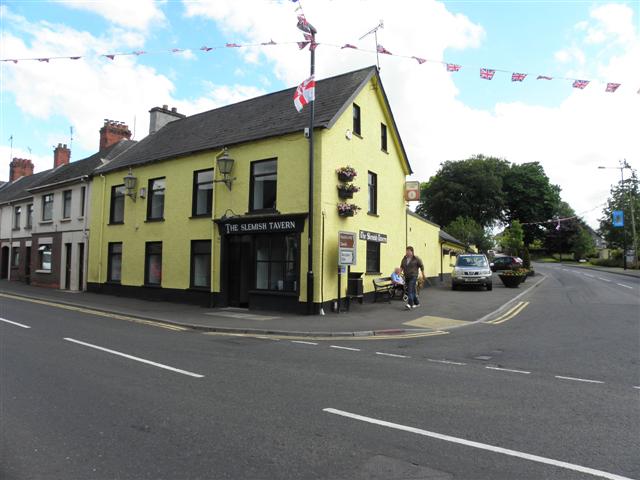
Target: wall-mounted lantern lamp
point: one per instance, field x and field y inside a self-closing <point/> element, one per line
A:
<point x="130" y="185"/>
<point x="225" y="167"/>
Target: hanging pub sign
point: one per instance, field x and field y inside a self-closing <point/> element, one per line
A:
<point x="347" y="247"/>
<point x="618" y="218"/>
<point x="373" y="236"/>
<point x="412" y="191"/>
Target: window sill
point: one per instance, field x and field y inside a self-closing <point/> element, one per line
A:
<point x="115" y="223"/>
<point x="264" y="211"/>
<point x="46" y="222"/>
<point x="357" y="135"/>
<point x="28" y="227"/>
<point x="14" y="229"/>
<point x="199" y="289"/>
<point x="204" y="215"/>
<point x="43" y="271"/>
<point x="152" y="285"/>
<point x="65" y="220"/>
<point x="151" y="220"/>
<point x="384" y="151"/>
<point x="81" y="217"/>
<point x="279" y="293"/>
<point x="373" y="273"/>
<point x="373" y="214"/>
<point x="113" y="282"/>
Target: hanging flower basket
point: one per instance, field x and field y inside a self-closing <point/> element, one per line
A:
<point x="347" y="190"/>
<point x="346" y="174"/>
<point x="347" y="209"/>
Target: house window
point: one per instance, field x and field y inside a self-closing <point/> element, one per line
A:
<point x="17" y="212"/>
<point x="15" y="257"/>
<point x="66" y="204"/>
<point x="114" y="259"/>
<point x="356" y="120"/>
<point x="373" y="257"/>
<point x="263" y="185"/>
<point x="116" y="214"/>
<point x="155" y="203"/>
<point x="202" y="192"/>
<point x="373" y="192"/>
<point x="200" y="263"/>
<point x="83" y="194"/>
<point x="277" y="262"/>
<point x="383" y="137"/>
<point x="47" y="207"/>
<point x="44" y="257"/>
<point x="153" y="263"/>
<point x="29" y="215"/>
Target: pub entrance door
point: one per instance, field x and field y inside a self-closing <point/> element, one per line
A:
<point x="239" y="269"/>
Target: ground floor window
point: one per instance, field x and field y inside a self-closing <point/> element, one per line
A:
<point x="114" y="266"/>
<point x="15" y="257"/>
<point x="373" y="257"/>
<point x="153" y="263"/>
<point x="277" y="262"/>
<point x="200" y="263"/>
<point x="44" y="257"/>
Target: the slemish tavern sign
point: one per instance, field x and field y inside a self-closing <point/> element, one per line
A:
<point x="373" y="236"/>
<point x="262" y="224"/>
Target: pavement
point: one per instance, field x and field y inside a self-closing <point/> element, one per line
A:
<point x="616" y="270"/>
<point x="441" y="309"/>
<point x="550" y="393"/>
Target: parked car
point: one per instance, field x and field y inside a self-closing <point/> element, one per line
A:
<point x="471" y="269"/>
<point x="506" y="263"/>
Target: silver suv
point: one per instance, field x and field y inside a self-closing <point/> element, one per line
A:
<point x="471" y="269"/>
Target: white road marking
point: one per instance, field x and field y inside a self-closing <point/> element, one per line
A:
<point x="391" y="355"/>
<point x="604" y="279"/>
<point x="448" y="362"/>
<point x="588" y="275"/>
<point x="14" y="323"/>
<point x="637" y="388"/>
<point x="482" y="446"/>
<point x="578" y="379"/>
<point x="508" y="370"/>
<point x="345" y="348"/>
<point x="623" y="285"/>
<point x="137" y="359"/>
<point x="303" y="342"/>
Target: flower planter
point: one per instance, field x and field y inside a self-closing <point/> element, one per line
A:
<point x="348" y="213"/>
<point x="344" y="177"/>
<point x="345" y="193"/>
<point x="511" y="281"/>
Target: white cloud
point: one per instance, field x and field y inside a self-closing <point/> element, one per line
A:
<point x="40" y="162"/>
<point x="138" y="14"/>
<point x="587" y="129"/>
<point x="612" y="22"/>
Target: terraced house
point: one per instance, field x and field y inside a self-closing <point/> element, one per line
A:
<point x="44" y="223"/>
<point x="213" y="208"/>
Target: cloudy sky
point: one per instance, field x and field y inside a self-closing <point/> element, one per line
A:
<point x="441" y="116"/>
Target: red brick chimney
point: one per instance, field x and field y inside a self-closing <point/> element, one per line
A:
<point x="20" y="167"/>
<point x="61" y="155"/>
<point x="112" y="132"/>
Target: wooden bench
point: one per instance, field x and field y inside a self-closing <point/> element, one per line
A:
<point x="383" y="286"/>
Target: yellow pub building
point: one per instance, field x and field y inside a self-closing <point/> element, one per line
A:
<point x="213" y="208"/>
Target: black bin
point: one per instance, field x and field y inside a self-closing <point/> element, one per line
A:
<point x="354" y="285"/>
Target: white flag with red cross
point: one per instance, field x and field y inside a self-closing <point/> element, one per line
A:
<point x="305" y="93"/>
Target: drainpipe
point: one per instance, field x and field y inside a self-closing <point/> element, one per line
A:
<point x="85" y="235"/>
<point x="10" y="242"/>
<point x="104" y="184"/>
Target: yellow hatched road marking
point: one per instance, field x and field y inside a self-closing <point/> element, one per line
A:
<point x="510" y="314"/>
<point x="96" y="312"/>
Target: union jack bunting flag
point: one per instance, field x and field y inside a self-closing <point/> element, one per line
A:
<point x="543" y="77"/>
<point x="138" y="52"/>
<point x="419" y="60"/>
<point x="110" y="57"/>
<point x="270" y="42"/>
<point x="581" y="84"/>
<point x="176" y="50"/>
<point x="452" y="67"/>
<point x="303" y="24"/>
<point x="518" y="77"/>
<point x="612" y="87"/>
<point x="301" y="45"/>
<point x="47" y="60"/>
<point x="206" y="49"/>
<point x="486" y="73"/>
<point x="381" y="49"/>
<point x="348" y="45"/>
<point x="232" y="45"/>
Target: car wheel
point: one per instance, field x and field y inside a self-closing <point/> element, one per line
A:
<point x="489" y="287"/>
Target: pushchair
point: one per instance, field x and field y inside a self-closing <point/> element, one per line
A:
<point x="400" y="291"/>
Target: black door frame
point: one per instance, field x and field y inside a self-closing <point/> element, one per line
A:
<point x="27" y="265"/>
<point x="68" y="249"/>
<point x="5" y="259"/>
<point x="81" y="266"/>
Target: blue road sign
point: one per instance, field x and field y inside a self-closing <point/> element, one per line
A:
<point x="618" y="218"/>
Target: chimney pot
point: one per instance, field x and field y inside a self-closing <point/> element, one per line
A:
<point x="61" y="155"/>
<point x="166" y="107"/>
<point x="112" y="132"/>
<point x="174" y="109"/>
<point x="20" y="167"/>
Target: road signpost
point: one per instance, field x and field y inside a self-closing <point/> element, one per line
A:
<point x="347" y="256"/>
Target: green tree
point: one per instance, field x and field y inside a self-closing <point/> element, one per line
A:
<point x="582" y="244"/>
<point x="529" y="197"/>
<point x="466" y="188"/>
<point x="512" y="239"/>
<point x="470" y="232"/>
<point x="621" y="197"/>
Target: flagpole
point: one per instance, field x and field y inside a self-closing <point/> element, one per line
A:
<point x="310" y="276"/>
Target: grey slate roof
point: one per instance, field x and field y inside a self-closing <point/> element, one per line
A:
<point x="445" y="237"/>
<point x="24" y="186"/>
<point x="262" y="117"/>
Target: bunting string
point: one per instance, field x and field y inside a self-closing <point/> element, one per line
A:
<point x="309" y="41"/>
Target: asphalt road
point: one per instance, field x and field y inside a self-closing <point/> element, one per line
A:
<point x="550" y="393"/>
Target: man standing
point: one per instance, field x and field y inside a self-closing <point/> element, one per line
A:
<point x="412" y="266"/>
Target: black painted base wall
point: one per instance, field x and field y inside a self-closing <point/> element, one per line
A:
<point x="191" y="297"/>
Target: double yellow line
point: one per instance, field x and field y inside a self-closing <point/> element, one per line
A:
<point x="96" y="312"/>
<point x="509" y="314"/>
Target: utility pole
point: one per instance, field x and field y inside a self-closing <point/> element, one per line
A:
<point x="310" y="277"/>
<point x="624" y="164"/>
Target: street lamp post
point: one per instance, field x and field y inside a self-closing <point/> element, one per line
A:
<point x="623" y="165"/>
